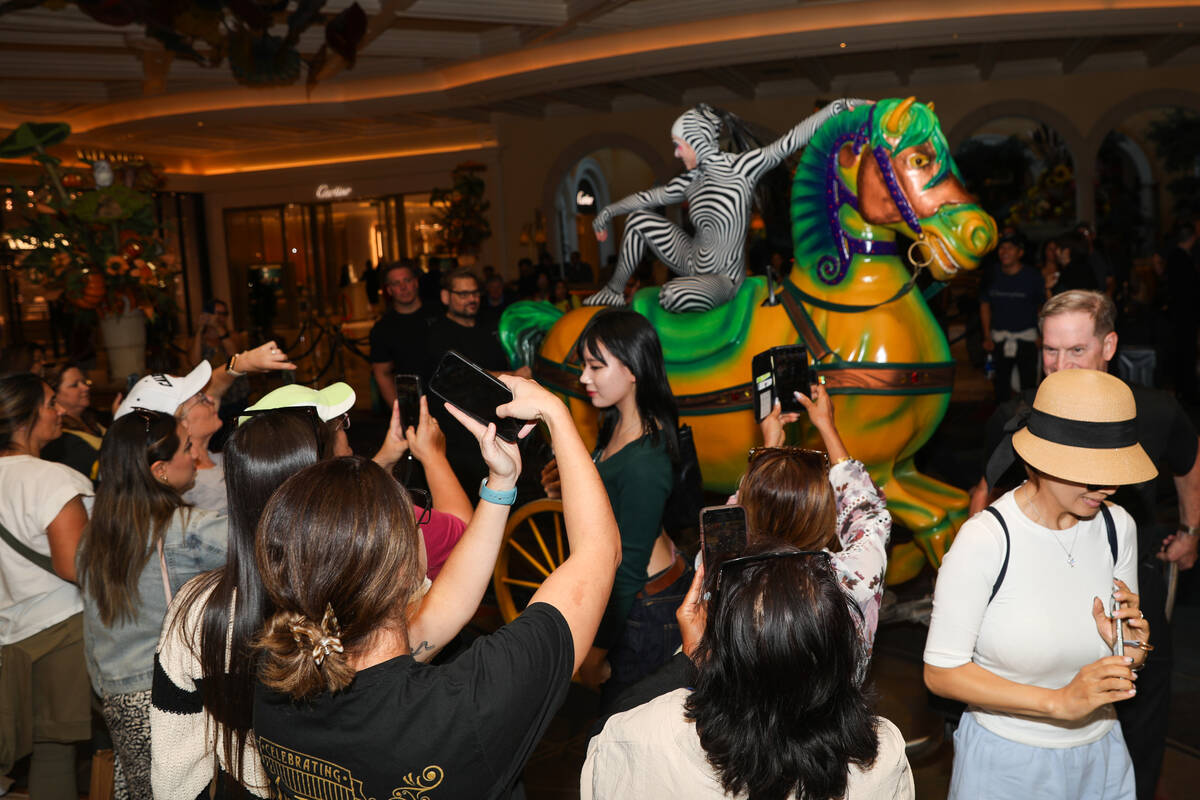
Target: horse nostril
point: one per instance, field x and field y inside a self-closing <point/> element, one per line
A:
<point x="979" y="233"/>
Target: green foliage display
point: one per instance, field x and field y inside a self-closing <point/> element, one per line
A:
<point x="462" y="211"/>
<point x="1176" y="140"/>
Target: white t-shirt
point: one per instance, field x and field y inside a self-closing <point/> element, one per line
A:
<point x="1039" y="629"/>
<point x="209" y="489"/>
<point x="654" y="751"/>
<point x="34" y="492"/>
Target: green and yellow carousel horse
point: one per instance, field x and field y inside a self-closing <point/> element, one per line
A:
<point x="867" y="175"/>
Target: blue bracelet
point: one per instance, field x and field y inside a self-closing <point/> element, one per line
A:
<point x="500" y="498"/>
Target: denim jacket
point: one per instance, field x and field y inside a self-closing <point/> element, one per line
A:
<point x="120" y="659"/>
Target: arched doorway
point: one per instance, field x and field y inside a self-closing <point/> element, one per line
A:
<point x="1024" y="172"/>
<point x="594" y="181"/>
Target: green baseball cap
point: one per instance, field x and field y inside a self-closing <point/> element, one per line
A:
<point x="331" y="402"/>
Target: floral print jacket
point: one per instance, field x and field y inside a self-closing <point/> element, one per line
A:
<point x="863" y="527"/>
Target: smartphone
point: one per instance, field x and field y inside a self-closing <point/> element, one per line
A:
<point x="777" y="374"/>
<point x="408" y="393"/>
<point x="722" y="536"/>
<point x="464" y="384"/>
<point x="1119" y="640"/>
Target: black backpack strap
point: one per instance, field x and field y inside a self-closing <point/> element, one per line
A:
<point x="1007" y="544"/>
<point x="1111" y="528"/>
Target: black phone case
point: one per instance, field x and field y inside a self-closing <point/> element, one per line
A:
<point x="410" y="401"/>
<point x="776" y="374"/>
<point x="464" y="384"/>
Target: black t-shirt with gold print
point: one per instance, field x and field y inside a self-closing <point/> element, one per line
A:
<point x="403" y="729"/>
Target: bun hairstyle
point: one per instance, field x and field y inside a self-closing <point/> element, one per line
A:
<point x="789" y="499"/>
<point x="339" y="557"/>
<point x="21" y="395"/>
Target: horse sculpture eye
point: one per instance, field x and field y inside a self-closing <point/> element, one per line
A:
<point x="918" y="160"/>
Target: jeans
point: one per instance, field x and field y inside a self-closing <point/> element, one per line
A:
<point x="649" y="639"/>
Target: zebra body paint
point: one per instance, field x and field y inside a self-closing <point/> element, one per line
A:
<point x="719" y="191"/>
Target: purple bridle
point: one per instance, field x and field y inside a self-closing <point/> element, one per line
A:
<point x="837" y="193"/>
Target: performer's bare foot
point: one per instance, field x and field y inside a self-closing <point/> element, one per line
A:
<point x="605" y="297"/>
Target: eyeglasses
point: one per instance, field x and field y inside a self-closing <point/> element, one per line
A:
<point x="466" y="293"/>
<point x="744" y="561"/>
<point x="420" y="497"/>
<point x="195" y="400"/>
<point x="815" y="458"/>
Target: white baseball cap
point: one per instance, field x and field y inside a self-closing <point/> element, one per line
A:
<point x="165" y="393"/>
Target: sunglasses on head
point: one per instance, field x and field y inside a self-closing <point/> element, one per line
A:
<point x="815" y="458"/>
<point x="740" y="563"/>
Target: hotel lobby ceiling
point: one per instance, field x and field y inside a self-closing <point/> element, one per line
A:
<point x="434" y="73"/>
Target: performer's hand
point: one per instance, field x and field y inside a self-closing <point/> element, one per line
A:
<point x="602" y="235"/>
<point x="988" y="344"/>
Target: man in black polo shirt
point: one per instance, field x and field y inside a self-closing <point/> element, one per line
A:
<point x="399" y="339"/>
<point x="461" y="330"/>
<point x="1077" y="333"/>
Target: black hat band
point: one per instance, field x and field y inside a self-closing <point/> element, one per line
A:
<point x="1079" y="433"/>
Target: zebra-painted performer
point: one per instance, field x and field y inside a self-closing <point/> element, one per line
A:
<point x="719" y="188"/>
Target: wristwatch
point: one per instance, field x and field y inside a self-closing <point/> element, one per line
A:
<point x="1192" y="531"/>
<point x="500" y="498"/>
<point x="231" y="363"/>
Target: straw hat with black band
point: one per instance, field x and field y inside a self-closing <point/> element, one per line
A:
<point x="1083" y="429"/>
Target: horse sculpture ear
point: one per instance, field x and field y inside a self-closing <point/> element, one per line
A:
<point x="893" y="124"/>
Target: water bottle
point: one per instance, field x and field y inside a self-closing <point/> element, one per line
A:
<point x="989" y="367"/>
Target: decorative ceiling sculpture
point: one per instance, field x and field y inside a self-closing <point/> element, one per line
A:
<point x="259" y="37"/>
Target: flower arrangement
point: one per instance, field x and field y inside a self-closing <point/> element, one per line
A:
<point x="97" y="245"/>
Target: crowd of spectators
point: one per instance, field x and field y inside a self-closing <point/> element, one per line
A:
<point x="259" y="612"/>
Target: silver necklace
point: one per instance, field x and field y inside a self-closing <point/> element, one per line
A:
<point x="1069" y="553"/>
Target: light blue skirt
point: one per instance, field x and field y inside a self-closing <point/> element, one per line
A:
<point x="988" y="766"/>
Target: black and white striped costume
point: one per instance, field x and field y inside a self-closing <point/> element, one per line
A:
<point x="719" y="191"/>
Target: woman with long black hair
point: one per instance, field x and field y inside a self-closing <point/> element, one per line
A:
<point x="775" y="711"/>
<point x="625" y="378"/>
<point x="143" y="544"/>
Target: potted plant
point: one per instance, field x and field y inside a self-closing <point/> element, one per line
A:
<point x="462" y="211"/>
<point x="93" y="241"/>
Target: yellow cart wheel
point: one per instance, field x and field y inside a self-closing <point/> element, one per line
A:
<point x="535" y="543"/>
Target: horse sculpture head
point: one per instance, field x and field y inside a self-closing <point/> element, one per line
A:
<point x="882" y="170"/>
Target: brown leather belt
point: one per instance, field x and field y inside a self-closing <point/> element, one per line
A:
<point x="665" y="578"/>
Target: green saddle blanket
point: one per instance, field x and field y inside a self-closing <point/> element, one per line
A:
<point x="693" y="335"/>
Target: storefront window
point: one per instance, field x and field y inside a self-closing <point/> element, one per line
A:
<point x="302" y="254"/>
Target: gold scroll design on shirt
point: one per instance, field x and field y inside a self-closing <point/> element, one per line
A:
<point x="415" y="788"/>
<point x="309" y="778"/>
